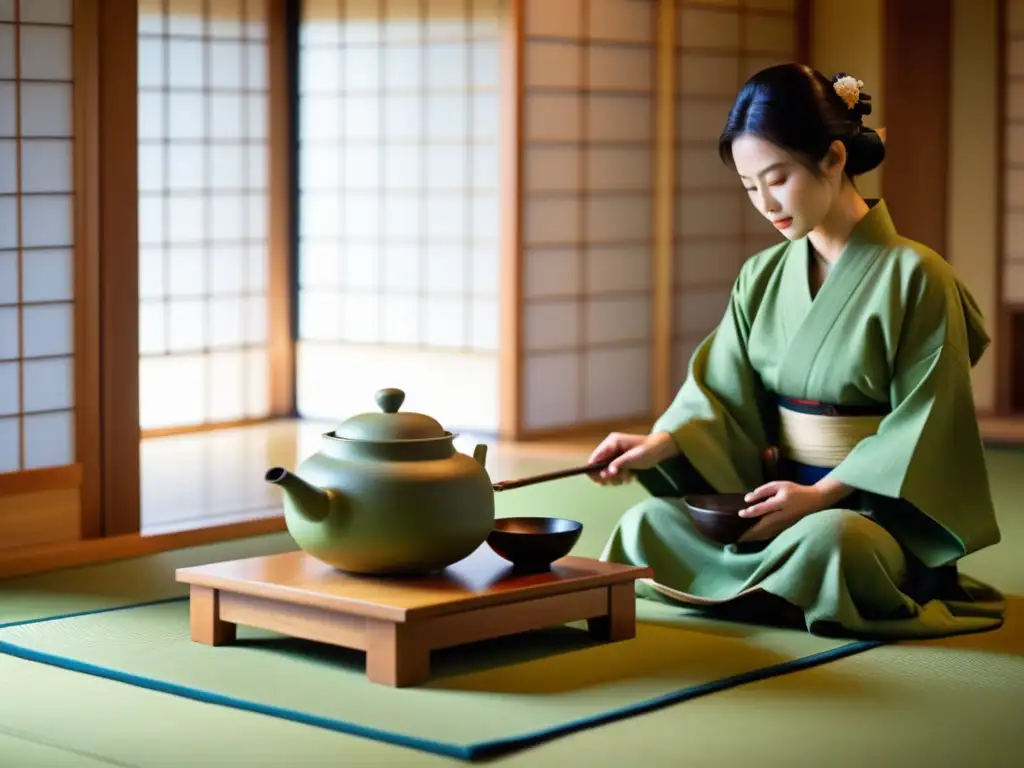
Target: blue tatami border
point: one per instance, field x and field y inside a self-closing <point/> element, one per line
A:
<point x="470" y="752"/>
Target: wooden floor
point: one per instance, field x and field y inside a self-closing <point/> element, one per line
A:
<point x="215" y="478"/>
<point x="999" y="430"/>
<point x="205" y="487"/>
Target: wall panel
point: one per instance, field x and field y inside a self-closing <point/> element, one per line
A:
<point x="398" y="213"/>
<point x="37" y="237"/>
<point x="587" y="197"/>
<point x="720" y="44"/>
<point x="203" y="212"/>
<point x="1013" y="154"/>
<point x="49" y="428"/>
<point x="1010" y="260"/>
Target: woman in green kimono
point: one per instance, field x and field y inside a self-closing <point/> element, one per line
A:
<point x="844" y="358"/>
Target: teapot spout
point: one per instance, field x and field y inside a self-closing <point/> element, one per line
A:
<point x="309" y="501"/>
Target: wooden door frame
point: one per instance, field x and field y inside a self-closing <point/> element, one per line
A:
<point x="117" y="204"/>
<point x="116" y="192"/>
<point x="88" y="364"/>
<point x="917" y="59"/>
<point x="1003" y="346"/>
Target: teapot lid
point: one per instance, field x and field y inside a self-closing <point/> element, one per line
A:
<point x="390" y="425"/>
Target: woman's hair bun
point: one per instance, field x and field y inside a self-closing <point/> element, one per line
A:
<point x="801" y="110"/>
<point x="865" y="151"/>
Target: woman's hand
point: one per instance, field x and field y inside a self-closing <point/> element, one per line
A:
<point x="631" y="452"/>
<point x="779" y="505"/>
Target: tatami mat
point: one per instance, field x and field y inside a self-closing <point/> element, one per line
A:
<point x="948" y="703"/>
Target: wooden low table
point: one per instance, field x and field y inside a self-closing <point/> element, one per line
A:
<point x="399" y="621"/>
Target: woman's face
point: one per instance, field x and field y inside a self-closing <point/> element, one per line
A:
<point x="784" y="191"/>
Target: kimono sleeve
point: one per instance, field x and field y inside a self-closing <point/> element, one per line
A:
<point x="928" y="450"/>
<point x="716" y="417"/>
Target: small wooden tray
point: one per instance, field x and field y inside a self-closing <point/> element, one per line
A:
<point x="399" y="621"/>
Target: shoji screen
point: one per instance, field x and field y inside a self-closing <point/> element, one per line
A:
<point x="398" y="214"/>
<point x="587" y="211"/>
<point x="202" y="211"/>
<point x="720" y="44"/>
<point x="37" y="232"/>
<point x="48" y="422"/>
<point x="1013" y="157"/>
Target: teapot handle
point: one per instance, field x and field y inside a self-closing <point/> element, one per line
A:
<point x="480" y="454"/>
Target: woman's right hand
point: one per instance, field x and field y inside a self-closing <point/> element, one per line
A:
<point x="629" y="452"/>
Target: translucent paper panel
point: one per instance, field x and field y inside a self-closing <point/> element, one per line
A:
<point x="563" y="19"/>
<point x="617" y="320"/>
<point x="10" y="389"/>
<point x="553" y="64"/>
<point x="551" y="390"/>
<point x="710" y="262"/>
<point x="203" y="161"/>
<point x="1013" y="234"/>
<point x="617" y="383"/>
<point x="701" y="312"/>
<point x="551" y="272"/>
<point x="552" y="169"/>
<point x="1013" y="282"/>
<point x="1015" y="57"/>
<point x="37" y="236"/>
<point x="553" y="117"/>
<point x="618" y="269"/>
<point x="716" y="227"/>
<point x="552" y="325"/>
<point x="619" y="218"/>
<point x="459" y="390"/>
<point x="1015" y="17"/>
<point x="621" y="20"/>
<point x="708" y="74"/>
<point x="700" y="169"/>
<point x="619" y="118"/>
<point x="711" y="214"/>
<point x="764" y="33"/>
<point x="702" y="121"/>
<point x="620" y="69"/>
<point x="708" y="28"/>
<point x="620" y="169"/>
<point x="192" y="389"/>
<point x="682" y="352"/>
<point x="398" y="161"/>
<point x="587" y="210"/>
<point x="551" y="220"/>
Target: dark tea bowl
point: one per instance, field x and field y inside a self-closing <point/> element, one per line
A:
<point x="716" y="515"/>
<point x="532" y="544"/>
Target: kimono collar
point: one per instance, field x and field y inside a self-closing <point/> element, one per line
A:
<point x="876" y="228"/>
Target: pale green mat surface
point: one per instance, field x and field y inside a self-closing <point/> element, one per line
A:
<point x="482" y="698"/>
<point x="938" y="703"/>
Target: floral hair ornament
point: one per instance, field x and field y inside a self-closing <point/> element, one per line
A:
<point x="849" y="90"/>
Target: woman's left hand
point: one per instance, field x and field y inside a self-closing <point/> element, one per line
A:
<point x="779" y="504"/>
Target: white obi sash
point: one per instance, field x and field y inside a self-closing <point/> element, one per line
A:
<point x="821" y="435"/>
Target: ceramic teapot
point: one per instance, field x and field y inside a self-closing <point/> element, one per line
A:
<point x="388" y="493"/>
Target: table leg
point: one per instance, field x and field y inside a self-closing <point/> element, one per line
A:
<point x="204" y="618"/>
<point x="394" y="656"/>
<point x="620" y="622"/>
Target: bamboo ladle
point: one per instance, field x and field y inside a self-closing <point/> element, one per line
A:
<point x="586" y="469"/>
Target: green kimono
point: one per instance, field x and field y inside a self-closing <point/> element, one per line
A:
<point x="891" y="326"/>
